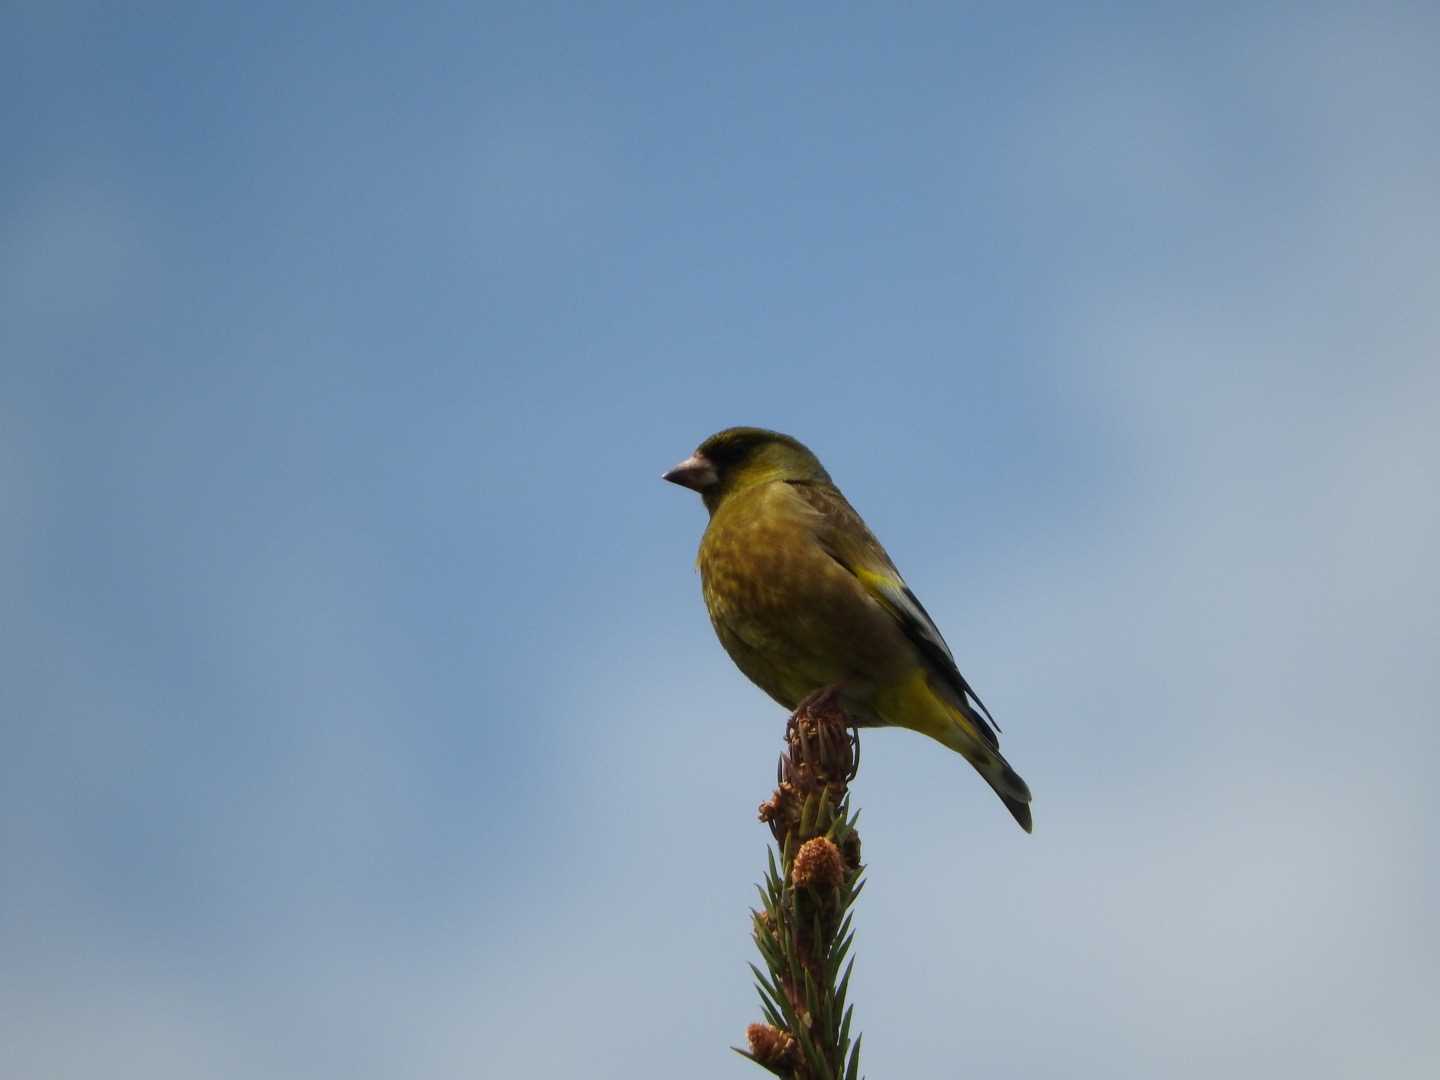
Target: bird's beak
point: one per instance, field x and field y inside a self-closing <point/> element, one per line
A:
<point x="695" y="473"/>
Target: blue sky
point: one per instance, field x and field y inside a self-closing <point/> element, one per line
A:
<point x="362" y="717"/>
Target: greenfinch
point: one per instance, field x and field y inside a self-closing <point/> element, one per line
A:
<point x="804" y="599"/>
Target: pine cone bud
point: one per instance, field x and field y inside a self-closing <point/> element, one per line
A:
<point x="818" y="864"/>
<point x="771" y="1046"/>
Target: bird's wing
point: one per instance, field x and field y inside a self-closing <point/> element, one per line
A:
<point x="846" y="539"/>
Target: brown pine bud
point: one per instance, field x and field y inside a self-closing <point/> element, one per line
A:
<point x="773" y="808"/>
<point x="771" y="1046"/>
<point x="818" y="864"/>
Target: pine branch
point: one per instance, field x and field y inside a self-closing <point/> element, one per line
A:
<point x="802" y="927"/>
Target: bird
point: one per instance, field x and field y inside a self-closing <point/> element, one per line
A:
<point x="805" y="600"/>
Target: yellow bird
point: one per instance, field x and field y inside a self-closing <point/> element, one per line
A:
<point x="804" y="598"/>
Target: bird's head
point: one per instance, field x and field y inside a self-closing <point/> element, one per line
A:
<point x="741" y="457"/>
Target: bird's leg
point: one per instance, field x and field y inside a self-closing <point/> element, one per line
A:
<point x="824" y="740"/>
<point x="822" y="700"/>
<point x="831" y="700"/>
<point x="836" y="699"/>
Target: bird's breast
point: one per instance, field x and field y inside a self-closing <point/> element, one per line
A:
<point x="792" y="618"/>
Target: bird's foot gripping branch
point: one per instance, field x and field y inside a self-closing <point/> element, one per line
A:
<point x="803" y="929"/>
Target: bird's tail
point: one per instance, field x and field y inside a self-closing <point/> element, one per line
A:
<point x="917" y="705"/>
<point x="991" y="764"/>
